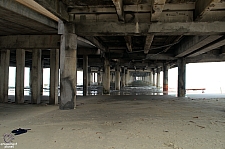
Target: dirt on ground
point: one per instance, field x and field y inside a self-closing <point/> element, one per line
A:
<point x="118" y="122"/>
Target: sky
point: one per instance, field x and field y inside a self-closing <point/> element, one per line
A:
<point x="198" y="75"/>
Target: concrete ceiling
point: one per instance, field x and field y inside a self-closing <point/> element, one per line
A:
<point x="138" y="33"/>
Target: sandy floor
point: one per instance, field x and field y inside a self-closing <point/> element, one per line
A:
<point x="117" y="122"/>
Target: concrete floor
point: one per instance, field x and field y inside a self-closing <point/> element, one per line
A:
<point x="115" y="122"/>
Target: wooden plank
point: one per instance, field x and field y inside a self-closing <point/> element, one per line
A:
<point x="35" y="6"/>
<point x="27" y="12"/>
<point x="55" y="7"/>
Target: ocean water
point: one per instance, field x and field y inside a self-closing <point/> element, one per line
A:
<point x="210" y="76"/>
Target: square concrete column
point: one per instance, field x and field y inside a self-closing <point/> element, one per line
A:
<point x="181" y="77"/>
<point x="30" y="79"/>
<point x="150" y="78"/>
<point x="89" y="76"/>
<point x="99" y="78"/>
<point x="117" y="81"/>
<point x="20" y="65"/>
<point x="111" y="76"/>
<point x="68" y="65"/>
<point x="165" y="78"/>
<point x="4" y="73"/>
<point x="41" y="83"/>
<point x="153" y="77"/>
<point x="123" y="78"/>
<point x="54" y="76"/>
<point x="106" y="77"/>
<point x="158" y="78"/>
<point x="126" y="77"/>
<point x="85" y="75"/>
<point x="94" y="78"/>
<point x="36" y="76"/>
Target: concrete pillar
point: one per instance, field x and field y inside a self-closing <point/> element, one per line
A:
<point x="99" y="77"/>
<point x="126" y="77"/>
<point x="181" y="77"/>
<point x="20" y="64"/>
<point x="85" y="75"/>
<point x="94" y="79"/>
<point x="117" y="81"/>
<point x="41" y="83"/>
<point x="30" y="79"/>
<point x="165" y="78"/>
<point x="106" y="77"/>
<point x="150" y="78"/>
<point x="153" y="77"/>
<point x="111" y="77"/>
<point x="54" y="76"/>
<point x="4" y="73"/>
<point x="123" y="77"/>
<point x="36" y="76"/>
<point x="68" y="65"/>
<point x="158" y="78"/>
<point x="114" y="76"/>
<point x="89" y="76"/>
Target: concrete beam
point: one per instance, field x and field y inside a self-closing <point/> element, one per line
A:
<point x="204" y="7"/>
<point x="158" y="8"/>
<point x="132" y="8"/>
<point x="190" y="44"/>
<point x="56" y="7"/>
<point x="119" y="9"/>
<point x="211" y="46"/>
<point x="128" y="40"/>
<point x="206" y="57"/>
<point x="159" y="28"/>
<point x="160" y="57"/>
<point x="30" y="42"/>
<point x="176" y="40"/>
<point x="85" y="51"/>
<point x="148" y="43"/>
<point x="97" y="43"/>
<point x="20" y="9"/>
